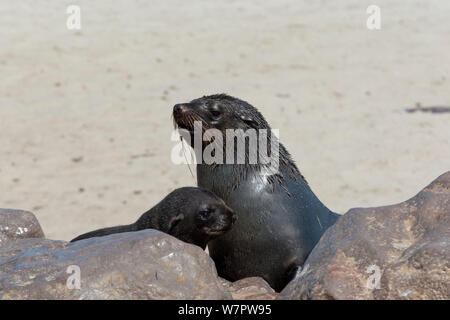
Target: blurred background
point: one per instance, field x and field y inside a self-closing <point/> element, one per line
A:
<point x="85" y="115"/>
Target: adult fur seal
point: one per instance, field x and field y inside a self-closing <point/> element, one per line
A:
<point x="193" y="215"/>
<point x="280" y="218"/>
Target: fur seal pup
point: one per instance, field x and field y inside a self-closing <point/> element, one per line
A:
<point x="280" y="218"/>
<point x="193" y="215"/>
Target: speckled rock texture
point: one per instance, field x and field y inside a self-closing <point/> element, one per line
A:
<point x="400" y="251"/>
<point x="18" y="224"/>
<point x="137" y="265"/>
<point x="253" y="288"/>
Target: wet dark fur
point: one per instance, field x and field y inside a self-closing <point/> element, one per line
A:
<point x="193" y="215"/>
<point x="280" y="218"/>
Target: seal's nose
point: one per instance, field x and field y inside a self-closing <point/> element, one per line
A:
<point x="180" y="107"/>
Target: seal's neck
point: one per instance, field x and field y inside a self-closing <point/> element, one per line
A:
<point x="228" y="177"/>
<point x="155" y="218"/>
<point x="223" y="179"/>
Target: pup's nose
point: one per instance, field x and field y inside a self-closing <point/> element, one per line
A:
<point x="180" y="107"/>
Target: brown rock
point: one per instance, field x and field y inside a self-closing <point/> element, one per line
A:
<point x="407" y="245"/>
<point x="253" y="288"/>
<point x="137" y="265"/>
<point x="18" y="224"/>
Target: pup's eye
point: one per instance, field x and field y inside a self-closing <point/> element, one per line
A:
<point x="215" y="113"/>
<point x="205" y="214"/>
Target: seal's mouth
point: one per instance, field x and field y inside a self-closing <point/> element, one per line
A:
<point x="185" y="123"/>
<point x="183" y="117"/>
<point x="222" y="227"/>
<point x="216" y="232"/>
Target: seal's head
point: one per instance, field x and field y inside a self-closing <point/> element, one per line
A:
<point x="218" y="111"/>
<point x="196" y="215"/>
<point x="222" y="112"/>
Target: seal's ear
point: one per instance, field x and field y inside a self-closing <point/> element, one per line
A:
<point x="248" y="120"/>
<point x="174" y="221"/>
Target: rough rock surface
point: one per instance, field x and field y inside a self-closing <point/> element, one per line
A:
<point x="18" y="224"/>
<point x="136" y="265"/>
<point x="406" y="246"/>
<point x="253" y="288"/>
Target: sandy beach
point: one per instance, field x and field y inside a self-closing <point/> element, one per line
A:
<point x="85" y="115"/>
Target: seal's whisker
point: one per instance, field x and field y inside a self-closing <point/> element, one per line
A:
<point x="187" y="162"/>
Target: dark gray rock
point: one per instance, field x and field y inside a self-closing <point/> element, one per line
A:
<point x="18" y="224"/>
<point x="137" y="265"/>
<point x="407" y="245"/>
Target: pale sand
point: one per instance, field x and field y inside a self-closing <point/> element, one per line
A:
<point x="86" y="116"/>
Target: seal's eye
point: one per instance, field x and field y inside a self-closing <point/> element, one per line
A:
<point x="215" y="113"/>
<point x="205" y="214"/>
